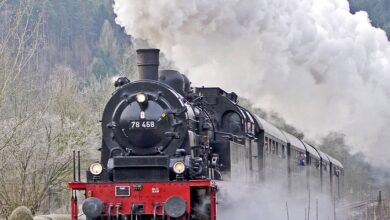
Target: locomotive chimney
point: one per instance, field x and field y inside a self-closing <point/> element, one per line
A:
<point x="148" y="61"/>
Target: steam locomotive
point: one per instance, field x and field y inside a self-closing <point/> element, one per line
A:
<point x="166" y="146"/>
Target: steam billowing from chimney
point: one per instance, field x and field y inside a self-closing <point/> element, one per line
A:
<point x="319" y="66"/>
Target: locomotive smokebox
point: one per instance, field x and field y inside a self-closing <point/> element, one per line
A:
<point x="148" y="61"/>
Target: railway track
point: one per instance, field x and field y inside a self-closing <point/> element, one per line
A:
<point x="372" y="209"/>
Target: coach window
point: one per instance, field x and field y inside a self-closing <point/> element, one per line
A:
<point x="336" y="171"/>
<point x="283" y="151"/>
<point x="317" y="164"/>
<point x="273" y="147"/>
<point x="270" y="145"/>
<point x="231" y="122"/>
<point x="314" y="162"/>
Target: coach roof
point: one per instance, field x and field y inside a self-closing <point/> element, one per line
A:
<point x="270" y="129"/>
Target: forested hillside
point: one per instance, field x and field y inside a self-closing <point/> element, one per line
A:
<point x="378" y="11"/>
<point x="83" y="35"/>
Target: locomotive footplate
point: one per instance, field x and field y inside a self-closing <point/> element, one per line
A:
<point x="172" y="199"/>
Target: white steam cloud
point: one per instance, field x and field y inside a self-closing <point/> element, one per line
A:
<point x="269" y="201"/>
<point x="322" y="68"/>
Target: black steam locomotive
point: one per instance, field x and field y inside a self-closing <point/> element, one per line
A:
<point x="166" y="146"/>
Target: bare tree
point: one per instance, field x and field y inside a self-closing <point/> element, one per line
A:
<point x="39" y="154"/>
<point x="19" y="43"/>
<point x="39" y="159"/>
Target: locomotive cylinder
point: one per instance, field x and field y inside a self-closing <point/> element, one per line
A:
<point x="148" y="62"/>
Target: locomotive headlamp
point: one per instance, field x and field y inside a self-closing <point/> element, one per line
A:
<point x="141" y="98"/>
<point x="96" y="168"/>
<point x="179" y="167"/>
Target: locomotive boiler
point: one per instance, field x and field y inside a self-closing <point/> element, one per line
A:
<point x="166" y="146"/>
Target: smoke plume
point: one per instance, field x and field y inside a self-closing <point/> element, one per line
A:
<point x="319" y="66"/>
<point x="269" y="201"/>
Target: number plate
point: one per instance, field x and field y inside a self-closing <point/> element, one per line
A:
<point x="122" y="191"/>
<point x="142" y="124"/>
